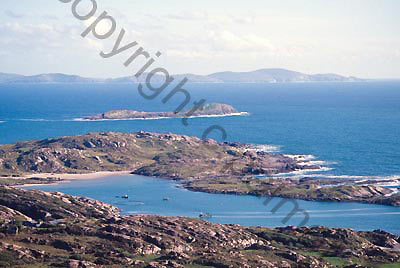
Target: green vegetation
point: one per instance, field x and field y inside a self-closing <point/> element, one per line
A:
<point x="391" y="265"/>
<point x="336" y="261"/>
<point x="24" y="181"/>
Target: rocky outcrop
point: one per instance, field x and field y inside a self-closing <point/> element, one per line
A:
<point x="35" y="206"/>
<point x="88" y="233"/>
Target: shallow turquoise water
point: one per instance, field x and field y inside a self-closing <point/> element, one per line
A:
<point x="146" y="197"/>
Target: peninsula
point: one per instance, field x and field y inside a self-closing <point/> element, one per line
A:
<point x="208" y="110"/>
<point x="199" y="165"/>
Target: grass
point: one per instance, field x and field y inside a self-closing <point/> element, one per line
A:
<point x="10" y="181"/>
<point x="392" y="265"/>
<point x="81" y="257"/>
<point x="147" y="258"/>
<point x="311" y="253"/>
<point x="13" y="181"/>
<point x="337" y="261"/>
<point x="342" y="262"/>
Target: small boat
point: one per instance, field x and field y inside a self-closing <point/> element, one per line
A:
<point x="125" y="196"/>
<point x="166" y="199"/>
<point x="205" y="216"/>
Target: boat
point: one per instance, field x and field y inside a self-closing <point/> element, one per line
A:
<point x="166" y="199"/>
<point x="125" y="196"/>
<point x="205" y="216"/>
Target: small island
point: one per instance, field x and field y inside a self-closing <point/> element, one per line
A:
<point x="207" y="110"/>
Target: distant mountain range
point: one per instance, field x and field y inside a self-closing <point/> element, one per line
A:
<point x="259" y="76"/>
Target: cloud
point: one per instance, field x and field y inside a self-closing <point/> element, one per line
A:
<point x="188" y="15"/>
<point x="229" y="41"/>
<point x="31" y="30"/>
<point x="94" y="44"/>
<point x="220" y="43"/>
<point x="187" y="54"/>
<point x="190" y="38"/>
<point x="101" y="28"/>
<point x="211" y="17"/>
<point x="49" y="17"/>
<point x="242" y="19"/>
<point x="13" y="15"/>
<point x="23" y="38"/>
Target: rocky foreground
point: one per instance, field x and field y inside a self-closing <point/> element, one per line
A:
<point x="199" y="165"/>
<point x="212" y="109"/>
<point x="57" y="230"/>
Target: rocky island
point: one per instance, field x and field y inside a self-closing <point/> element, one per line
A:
<point x="207" y="110"/>
<point x="199" y="165"/>
<point x="41" y="229"/>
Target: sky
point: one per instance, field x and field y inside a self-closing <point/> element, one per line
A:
<point x="349" y="37"/>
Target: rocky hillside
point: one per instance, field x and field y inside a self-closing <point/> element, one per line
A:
<point x="205" y="166"/>
<point x="212" y="109"/>
<point x="56" y="230"/>
<point x="172" y="156"/>
<point x="216" y="109"/>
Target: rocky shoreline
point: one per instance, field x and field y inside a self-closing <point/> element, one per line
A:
<point x="208" y="110"/>
<point x="206" y="166"/>
<point x="303" y="189"/>
<point x="41" y="229"/>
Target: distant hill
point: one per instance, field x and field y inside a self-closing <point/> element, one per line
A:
<point x="277" y="76"/>
<point x="259" y="76"/>
<point x="49" y="78"/>
<point x="5" y="78"/>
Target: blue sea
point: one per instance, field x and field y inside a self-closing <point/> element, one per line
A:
<point x="354" y="128"/>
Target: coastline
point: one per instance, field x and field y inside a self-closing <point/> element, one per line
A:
<point x="191" y="186"/>
<point x="169" y="156"/>
<point x="83" y="176"/>
<point x="83" y="119"/>
<point x="66" y="177"/>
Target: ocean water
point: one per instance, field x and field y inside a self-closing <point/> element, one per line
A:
<point x="353" y="127"/>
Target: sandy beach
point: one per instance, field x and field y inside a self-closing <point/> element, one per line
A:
<point x="70" y="177"/>
<point x="86" y="176"/>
